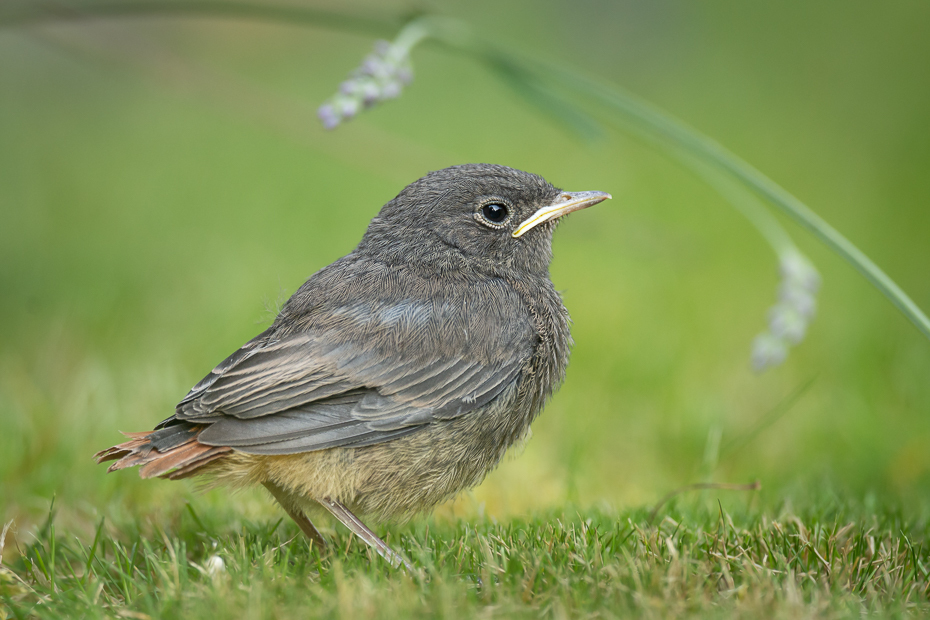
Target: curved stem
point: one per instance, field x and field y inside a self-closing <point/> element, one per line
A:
<point x="38" y="13"/>
<point x="746" y="202"/>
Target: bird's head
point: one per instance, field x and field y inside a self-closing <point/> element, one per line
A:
<point x="480" y="216"/>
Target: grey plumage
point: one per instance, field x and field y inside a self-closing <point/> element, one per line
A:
<point x="412" y="363"/>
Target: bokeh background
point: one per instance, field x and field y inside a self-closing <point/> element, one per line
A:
<point x="165" y="185"/>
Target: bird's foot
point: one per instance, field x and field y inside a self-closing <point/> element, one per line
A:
<point x="361" y="530"/>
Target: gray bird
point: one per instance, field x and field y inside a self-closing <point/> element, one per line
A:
<point x="398" y="375"/>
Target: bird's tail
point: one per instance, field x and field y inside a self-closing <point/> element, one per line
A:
<point x="171" y="452"/>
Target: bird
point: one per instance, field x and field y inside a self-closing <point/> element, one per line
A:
<point x="397" y="376"/>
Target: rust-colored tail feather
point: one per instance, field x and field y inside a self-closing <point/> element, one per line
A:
<point x="174" y="457"/>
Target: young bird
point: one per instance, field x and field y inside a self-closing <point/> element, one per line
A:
<point x="397" y="376"/>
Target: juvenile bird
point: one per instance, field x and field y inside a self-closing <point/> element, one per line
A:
<point x="398" y="375"/>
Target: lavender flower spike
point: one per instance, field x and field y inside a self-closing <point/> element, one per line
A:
<point x="790" y="316"/>
<point x="382" y="75"/>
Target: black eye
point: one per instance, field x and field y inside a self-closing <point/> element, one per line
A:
<point x="494" y="212"/>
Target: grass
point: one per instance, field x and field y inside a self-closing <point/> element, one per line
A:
<point x="829" y="560"/>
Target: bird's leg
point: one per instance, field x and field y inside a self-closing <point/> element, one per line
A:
<point x="361" y="530"/>
<point x="295" y="513"/>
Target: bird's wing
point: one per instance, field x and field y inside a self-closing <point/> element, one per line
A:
<point x="381" y="373"/>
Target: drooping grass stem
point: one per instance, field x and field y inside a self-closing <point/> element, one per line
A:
<point x="708" y="149"/>
<point x="35" y="13"/>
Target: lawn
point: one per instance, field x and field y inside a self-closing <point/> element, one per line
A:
<point x="165" y="185"/>
<point x="832" y="560"/>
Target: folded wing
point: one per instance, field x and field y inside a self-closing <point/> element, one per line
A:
<point x="322" y="388"/>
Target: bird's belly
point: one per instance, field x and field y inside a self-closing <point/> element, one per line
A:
<point x="408" y="475"/>
<point x="399" y="478"/>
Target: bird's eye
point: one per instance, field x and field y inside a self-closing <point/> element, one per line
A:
<point x="495" y="212"/>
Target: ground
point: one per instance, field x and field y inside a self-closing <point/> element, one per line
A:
<point x="692" y="558"/>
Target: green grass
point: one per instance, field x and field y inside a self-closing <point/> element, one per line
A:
<point x="828" y="560"/>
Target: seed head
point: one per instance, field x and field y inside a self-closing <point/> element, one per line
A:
<point x="381" y="76"/>
<point x="790" y="316"/>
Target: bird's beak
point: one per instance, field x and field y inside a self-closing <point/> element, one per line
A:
<point x="567" y="202"/>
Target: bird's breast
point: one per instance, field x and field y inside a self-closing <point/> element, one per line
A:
<point x="553" y="339"/>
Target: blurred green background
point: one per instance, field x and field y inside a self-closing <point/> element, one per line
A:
<point x="165" y="185"/>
